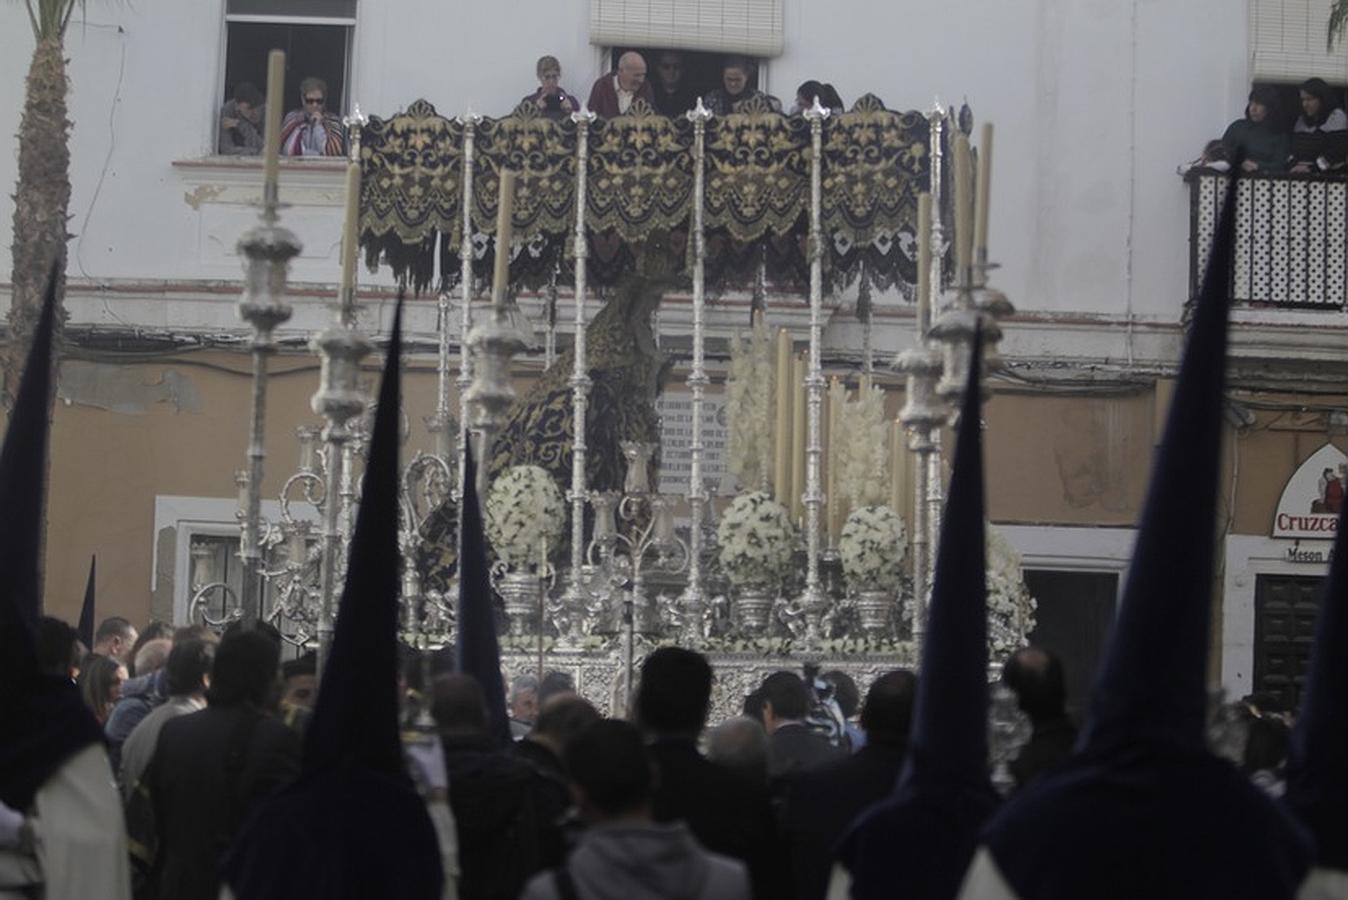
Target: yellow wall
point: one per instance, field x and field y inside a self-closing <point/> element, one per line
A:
<point x="125" y="432"/>
<point x="109" y="464"/>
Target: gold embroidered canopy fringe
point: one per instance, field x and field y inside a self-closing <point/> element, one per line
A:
<point x="640" y="171"/>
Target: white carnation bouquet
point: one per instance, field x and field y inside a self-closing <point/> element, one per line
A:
<point x="524" y="510"/>
<point x="1010" y="606"/>
<point x="751" y="407"/>
<point x="862" y="453"/>
<point x="755" y="540"/>
<point x="872" y="547"/>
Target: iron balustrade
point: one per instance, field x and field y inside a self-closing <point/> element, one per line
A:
<point x="1291" y="238"/>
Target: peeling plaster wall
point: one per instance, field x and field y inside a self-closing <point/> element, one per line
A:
<point x="128" y="391"/>
<point x="1068" y="459"/>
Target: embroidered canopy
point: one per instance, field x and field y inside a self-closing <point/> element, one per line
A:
<point x="640" y="174"/>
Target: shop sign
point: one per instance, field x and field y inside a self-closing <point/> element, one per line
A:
<point x="1317" y="553"/>
<point x="1313" y="498"/>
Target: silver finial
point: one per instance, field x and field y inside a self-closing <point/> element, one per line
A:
<point x="699" y="113"/>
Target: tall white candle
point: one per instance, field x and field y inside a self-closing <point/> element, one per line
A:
<point x="963" y="227"/>
<point x="276" y="84"/>
<point x="505" y="208"/>
<point x="984" y="187"/>
<point x="923" y="263"/>
<point x="351" y="230"/>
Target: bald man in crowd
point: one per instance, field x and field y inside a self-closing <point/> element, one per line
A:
<point x="613" y="93"/>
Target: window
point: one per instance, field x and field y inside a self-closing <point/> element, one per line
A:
<point x="1287" y="42"/>
<point x="700" y="70"/>
<point x="751" y="27"/>
<point x="315" y="34"/>
<point x="214" y="560"/>
<point x="1073" y="619"/>
<point x="197" y="543"/>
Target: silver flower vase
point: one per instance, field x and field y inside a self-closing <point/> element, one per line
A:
<point x="519" y="593"/>
<point x="875" y="611"/>
<point x="753" y="608"/>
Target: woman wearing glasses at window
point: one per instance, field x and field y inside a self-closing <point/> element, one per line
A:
<point x="313" y="131"/>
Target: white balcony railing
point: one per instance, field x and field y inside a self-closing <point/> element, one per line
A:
<point x="1291" y="239"/>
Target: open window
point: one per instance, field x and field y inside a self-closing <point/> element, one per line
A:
<point x="696" y="38"/>
<point x="315" y="34"/>
<point x="696" y="72"/>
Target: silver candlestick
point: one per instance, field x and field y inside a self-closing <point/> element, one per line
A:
<point x="574" y="600"/>
<point x="693" y="600"/>
<point x="923" y="414"/>
<point x="625" y="550"/>
<point x="493" y="344"/>
<point x="339" y="400"/>
<point x="469" y="120"/>
<point x="268" y="247"/>
<point x="814" y="602"/>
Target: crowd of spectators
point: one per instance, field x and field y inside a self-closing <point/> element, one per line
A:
<point x="574" y="805"/>
<point x="1266" y="140"/>
<point x="312" y="130"/>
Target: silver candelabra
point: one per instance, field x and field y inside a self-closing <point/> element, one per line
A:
<point x="814" y="603"/>
<point x="268" y="247"/>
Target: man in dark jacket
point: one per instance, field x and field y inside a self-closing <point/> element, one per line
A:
<point x="1036" y="677"/>
<point x="140" y="697"/>
<point x="823" y="801"/>
<point x="560" y="720"/>
<point x="625" y="853"/>
<point x="727" y="813"/>
<point x="210" y="769"/>
<point x="491" y="792"/>
<point x="792" y="745"/>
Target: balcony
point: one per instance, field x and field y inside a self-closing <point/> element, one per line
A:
<point x="1291" y="239"/>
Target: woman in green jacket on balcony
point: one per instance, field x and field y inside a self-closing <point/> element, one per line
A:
<point x="1255" y="139"/>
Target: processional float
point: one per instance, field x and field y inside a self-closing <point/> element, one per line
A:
<point x="633" y="577"/>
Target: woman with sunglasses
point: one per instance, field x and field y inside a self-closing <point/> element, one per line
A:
<point x="312" y="130"/>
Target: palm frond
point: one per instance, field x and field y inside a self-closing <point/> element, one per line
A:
<point x="1338" y="19"/>
<point x="49" y="18"/>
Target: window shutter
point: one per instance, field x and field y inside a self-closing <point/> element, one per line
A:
<point x="302" y="9"/>
<point x="1288" y="39"/>
<point x="752" y="27"/>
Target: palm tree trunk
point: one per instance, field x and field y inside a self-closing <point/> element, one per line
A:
<point x="41" y="201"/>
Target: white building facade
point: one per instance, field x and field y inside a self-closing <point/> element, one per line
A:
<point x="1095" y="103"/>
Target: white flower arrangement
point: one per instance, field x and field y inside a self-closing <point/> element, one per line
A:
<point x="750" y="407"/>
<point x="524" y="510"/>
<point x="1010" y="606"/>
<point x="872" y="547"/>
<point x="862" y="454"/>
<point x="755" y="540"/>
